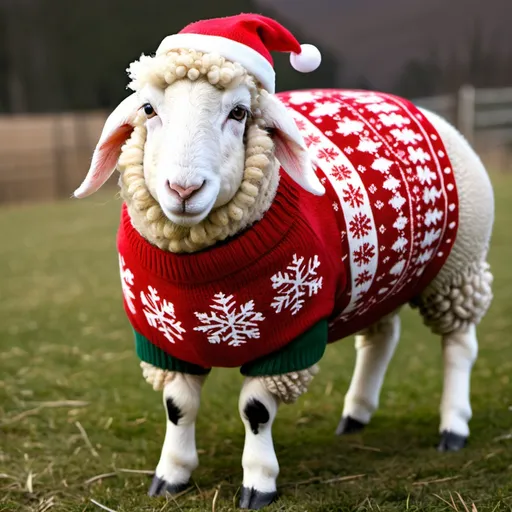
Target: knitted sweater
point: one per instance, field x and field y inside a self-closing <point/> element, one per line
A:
<point x="326" y="266"/>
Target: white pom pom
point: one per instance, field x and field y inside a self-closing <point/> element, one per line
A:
<point x="307" y="60"/>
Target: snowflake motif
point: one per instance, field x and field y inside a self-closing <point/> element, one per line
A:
<point x="311" y="139"/>
<point x="393" y="120"/>
<point x="335" y="206"/>
<point x="349" y="126"/>
<point x="226" y="324"/>
<point x="328" y="108"/>
<point x="360" y="225"/>
<point x="418" y="155"/>
<point x="368" y="146"/>
<point x="293" y="286"/>
<point x="161" y="316"/>
<point x="406" y="135"/>
<point x="379" y="205"/>
<point x="372" y="188"/>
<point x="353" y="196"/>
<point x="364" y="254"/>
<point x="301" y="125"/>
<point x="362" y="278"/>
<point x="348" y="150"/>
<point x="329" y="133"/>
<point x="382" y="107"/>
<point x="340" y="172"/>
<point x="382" y="229"/>
<point x="381" y="164"/>
<point x="327" y="154"/>
<point x="126" y="284"/>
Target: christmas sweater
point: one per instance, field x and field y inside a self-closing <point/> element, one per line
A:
<point x="314" y="269"/>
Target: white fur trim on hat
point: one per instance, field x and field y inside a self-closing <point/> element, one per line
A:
<point x="234" y="51"/>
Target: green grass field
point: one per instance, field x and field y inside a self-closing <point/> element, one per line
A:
<point x="73" y="404"/>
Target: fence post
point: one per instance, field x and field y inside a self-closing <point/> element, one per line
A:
<point x="466" y="112"/>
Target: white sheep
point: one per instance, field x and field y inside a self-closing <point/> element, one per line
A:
<point x="205" y="153"/>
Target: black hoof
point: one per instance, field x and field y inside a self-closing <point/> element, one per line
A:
<point x="451" y="442"/>
<point x="252" y="499"/>
<point x="349" y="425"/>
<point x="159" y="487"/>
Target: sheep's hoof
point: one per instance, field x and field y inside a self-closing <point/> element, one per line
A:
<point x="252" y="499"/>
<point x="349" y="425"/>
<point x="451" y="442"/>
<point x="159" y="487"/>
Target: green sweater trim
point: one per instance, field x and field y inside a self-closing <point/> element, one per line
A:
<point x="300" y="354"/>
<point x="151" y="354"/>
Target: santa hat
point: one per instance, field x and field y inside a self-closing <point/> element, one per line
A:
<point x="247" y="39"/>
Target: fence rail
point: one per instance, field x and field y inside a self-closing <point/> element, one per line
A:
<point x="484" y="116"/>
<point x="46" y="156"/>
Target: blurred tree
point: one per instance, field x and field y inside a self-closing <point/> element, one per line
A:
<point x="420" y="77"/>
<point x="64" y="55"/>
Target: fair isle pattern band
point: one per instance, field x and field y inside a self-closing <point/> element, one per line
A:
<point x="393" y="181"/>
<point x="355" y="204"/>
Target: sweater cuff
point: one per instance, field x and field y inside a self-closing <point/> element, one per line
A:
<point x="154" y="355"/>
<point x="300" y="354"/>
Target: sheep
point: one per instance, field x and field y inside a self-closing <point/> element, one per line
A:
<point x="207" y="155"/>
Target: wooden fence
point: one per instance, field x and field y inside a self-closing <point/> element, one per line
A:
<point x="484" y="116"/>
<point x="45" y="157"/>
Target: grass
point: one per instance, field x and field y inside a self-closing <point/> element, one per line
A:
<point x="73" y="404"/>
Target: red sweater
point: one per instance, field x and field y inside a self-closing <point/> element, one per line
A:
<point x="377" y="237"/>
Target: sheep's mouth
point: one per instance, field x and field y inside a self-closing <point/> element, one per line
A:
<point x="186" y="215"/>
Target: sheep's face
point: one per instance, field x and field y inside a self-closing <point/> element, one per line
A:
<point x="196" y="166"/>
<point x="194" y="152"/>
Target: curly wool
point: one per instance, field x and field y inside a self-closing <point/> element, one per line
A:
<point x="457" y="305"/>
<point x="156" y="377"/>
<point x="290" y="386"/>
<point x="259" y="182"/>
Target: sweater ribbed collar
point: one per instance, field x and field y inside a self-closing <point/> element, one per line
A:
<point x="225" y="258"/>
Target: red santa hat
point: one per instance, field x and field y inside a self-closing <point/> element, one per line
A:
<point x="247" y="39"/>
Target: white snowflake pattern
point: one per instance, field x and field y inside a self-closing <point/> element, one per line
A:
<point x="382" y="107"/>
<point x="425" y="175"/>
<point x="227" y="324"/>
<point x="406" y="135"/>
<point x="329" y="108"/>
<point x="393" y="119"/>
<point x="126" y="284"/>
<point x="368" y="146"/>
<point x="160" y="315"/>
<point x="433" y="216"/>
<point x="349" y="126"/>
<point x="418" y="155"/>
<point x="300" y="280"/>
<point x="382" y="164"/>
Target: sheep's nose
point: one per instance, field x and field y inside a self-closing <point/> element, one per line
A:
<point x="184" y="193"/>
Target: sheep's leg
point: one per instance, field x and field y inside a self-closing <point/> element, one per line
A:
<point x="179" y="455"/>
<point x="375" y="347"/>
<point x="258" y="408"/>
<point x="452" y="307"/>
<point x="460" y="349"/>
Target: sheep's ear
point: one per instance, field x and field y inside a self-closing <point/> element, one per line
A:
<point x="290" y="148"/>
<point x="118" y="127"/>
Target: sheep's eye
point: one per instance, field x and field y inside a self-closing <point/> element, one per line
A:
<point x="149" y="110"/>
<point x="238" y="114"/>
